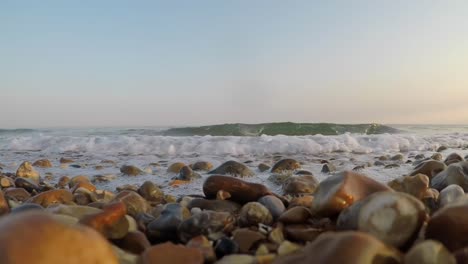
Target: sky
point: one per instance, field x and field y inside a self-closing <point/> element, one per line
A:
<point x="171" y="63"/>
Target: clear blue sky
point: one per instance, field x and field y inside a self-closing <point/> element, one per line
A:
<point x="158" y="63"/>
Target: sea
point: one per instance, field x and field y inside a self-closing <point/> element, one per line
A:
<point x="148" y="149"/>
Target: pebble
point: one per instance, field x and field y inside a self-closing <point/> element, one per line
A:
<point x="254" y="213"/>
<point x="393" y="217"/>
<point x="49" y="241"/>
<point x="233" y="168"/>
<point x="273" y="204"/>
<point x="285" y="165"/>
<point x="344" y="247"/>
<point x="26" y="170"/>
<point x="340" y="191"/>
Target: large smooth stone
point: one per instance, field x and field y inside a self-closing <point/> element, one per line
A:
<point x="393" y="217"/>
<point x="233" y="168"/>
<point x="340" y="191"/>
<point x="448" y="225"/>
<point x="273" y="204"/>
<point x="450" y="194"/>
<point x="254" y="213"/>
<point x="33" y="237"/>
<point x="170" y="253"/>
<point x="429" y="168"/>
<point x="456" y="173"/>
<point x="26" y="170"/>
<point x="415" y="185"/>
<point x="300" y="185"/>
<point x="344" y="247"/>
<point x="285" y="165"/>
<point x="52" y="197"/>
<point x="240" y="191"/>
<point x="429" y="252"/>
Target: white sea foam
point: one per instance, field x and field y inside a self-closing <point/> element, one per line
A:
<point x="208" y="145"/>
<point x="142" y="148"/>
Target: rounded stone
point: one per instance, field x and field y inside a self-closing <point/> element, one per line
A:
<point x="27" y="184"/>
<point x="340" y="191"/>
<point x="17" y="194"/>
<point x="233" y="168"/>
<point x="344" y="247"/>
<point x="450" y="194"/>
<point x="453" y="158"/>
<point x="76" y="179"/>
<point x="285" y="165"/>
<point x="295" y="215"/>
<point x="429" y="252"/>
<point x="49" y="241"/>
<point x="42" y="163"/>
<point x="300" y="185"/>
<point x="273" y="204"/>
<point x="239" y="190"/>
<point x="263" y="167"/>
<point x="151" y="192"/>
<point x="415" y="185"/>
<point x="134" y="203"/>
<point x="393" y="217"/>
<point x="187" y="174"/>
<point x="430" y="168"/>
<point x="448" y="226"/>
<point x="130" y="170"/>
<point x="456" y="173"/>
<point x="52" y="197"/>
<point x="254" y="213"/>
<point x="175" y="167"/>
<point x="26" y="170"/>
<point x="202" y="166"/>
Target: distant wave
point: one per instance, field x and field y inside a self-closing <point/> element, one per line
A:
<point x="16" y="131"/>
<point x="284" y="128"/>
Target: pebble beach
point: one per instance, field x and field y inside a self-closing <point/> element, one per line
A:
<point x="364" y="205"/>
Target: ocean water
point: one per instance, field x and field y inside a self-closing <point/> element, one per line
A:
<point x="152" y="152"/>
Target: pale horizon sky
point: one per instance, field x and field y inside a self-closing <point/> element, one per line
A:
<point x="170" y="63"/>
